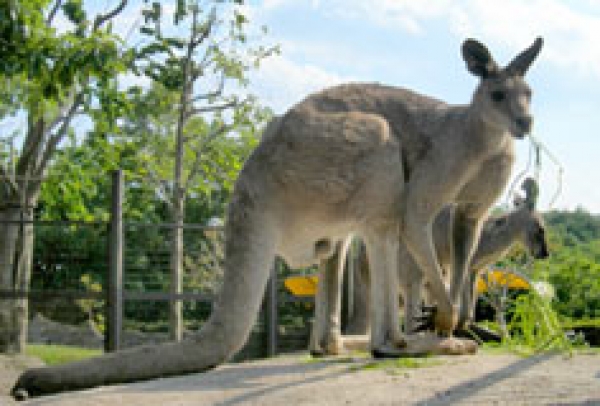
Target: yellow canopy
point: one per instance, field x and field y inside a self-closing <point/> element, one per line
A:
<point x="306" y="285"/>
<point x="302" y="285"/>
<point x="501" y="278"/>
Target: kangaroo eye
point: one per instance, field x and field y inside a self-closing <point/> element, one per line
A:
<point x="498" y="95"/>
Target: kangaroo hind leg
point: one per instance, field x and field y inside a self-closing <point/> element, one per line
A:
<point x="382" y="253"/>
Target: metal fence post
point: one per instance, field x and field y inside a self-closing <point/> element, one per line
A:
<point x="114" y="292"/>
<point x="270" y="309"/>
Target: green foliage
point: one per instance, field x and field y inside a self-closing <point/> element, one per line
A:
<point x="574" y="227"/>
<point x="93" y="308"/>
<point x="210" y="47"/>
<point x="79" y="183"/>
<point x="535" y="325"/>
<point x="573" y="270"/>
<point x="41" y="66"/>
<point x="74" y="11"/>
<point x="575" y="275"/>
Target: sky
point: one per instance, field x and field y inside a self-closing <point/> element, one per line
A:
<point x="416" y="44"/>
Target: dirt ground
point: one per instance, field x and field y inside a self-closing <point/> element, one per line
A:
<point x="483" y="379"/>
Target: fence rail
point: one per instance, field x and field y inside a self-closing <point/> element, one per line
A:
<point x="133" y="284"/>
<point x="50" y="294"/>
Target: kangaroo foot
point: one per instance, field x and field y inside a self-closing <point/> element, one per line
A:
<point x="357" y="342"/>
<point x="335" y="345"/>
<point x="457" y="346"/>
<point x="430" y="343"/>
<point x="316" y="350"/>
<point x="398" y="341"/>
<point x="445" y="320"/>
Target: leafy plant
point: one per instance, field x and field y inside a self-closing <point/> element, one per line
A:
<point x="535" y="326"/>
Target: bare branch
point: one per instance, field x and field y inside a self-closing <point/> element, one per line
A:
<point x="60" y="117"/>
<point x="33" y="141"/>
<point x="102" y="18"/>
<point x="159" y="183"/>
<point x="7" y="179"/>
<point x="55" y="138"/>
<point x="213" y="108"/>
<point x="206" y="61"/>
<point x="53" y="12"/>
<point x="218" y="92"/>
<point x="207" y="29"/>
<point x="195" y="170"/>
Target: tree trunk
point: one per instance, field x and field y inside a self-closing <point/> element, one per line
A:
<point x="16" y="251"/>
<point x="24" y="264"/>
<point x="9" y="236"/>
<point x="175" y="306"/>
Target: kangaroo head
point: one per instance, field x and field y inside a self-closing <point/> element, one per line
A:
<point x="502" y="98"/>
<point x="534" y="232"/>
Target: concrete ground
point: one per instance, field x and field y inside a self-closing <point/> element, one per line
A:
<point x="483" y="379"/>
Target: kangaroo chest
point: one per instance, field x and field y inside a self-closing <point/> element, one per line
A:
<point x="487" y="182"/>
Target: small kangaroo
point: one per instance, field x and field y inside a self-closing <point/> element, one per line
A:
<point x="499" y="233"/>
<point x="376" y="161"/>
<point x="522" y="225"/>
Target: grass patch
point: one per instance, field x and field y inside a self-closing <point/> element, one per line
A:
<point x="587" y="350"/>
<point x="397" y="366"/>
<point x="60" y="354"/>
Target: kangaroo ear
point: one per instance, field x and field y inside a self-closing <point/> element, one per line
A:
<point x="532" y="191"/>
<point x="521" y="63"/>
<point x="478" y="58"/>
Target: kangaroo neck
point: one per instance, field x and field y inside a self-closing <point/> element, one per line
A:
<point x="484" y="137"/>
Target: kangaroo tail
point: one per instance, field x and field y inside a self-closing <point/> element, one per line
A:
<point x="249" y="254"/>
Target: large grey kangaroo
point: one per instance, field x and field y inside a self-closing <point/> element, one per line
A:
<point x="499" y="233"/>
<point x="363" y="159"/>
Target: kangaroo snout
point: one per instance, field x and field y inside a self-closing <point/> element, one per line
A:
<point x="542" y="253"/>
<point x="524" y="124"/>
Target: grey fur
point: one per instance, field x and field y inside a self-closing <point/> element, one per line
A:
<point x="333" y="166"/>
<point x="522" y="225"/>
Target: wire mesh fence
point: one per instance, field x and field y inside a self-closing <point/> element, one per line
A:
<point x="147" y="277"/>
<point x="69" y="281"/>
<point x="71" y="299"/>
<point x="66" y="288"/>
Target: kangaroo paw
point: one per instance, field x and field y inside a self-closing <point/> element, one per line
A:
<point x="427" y="326"/>
<point x="426" y="320"/>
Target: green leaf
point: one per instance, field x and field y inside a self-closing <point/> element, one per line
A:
<point x="74" y="11"/>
